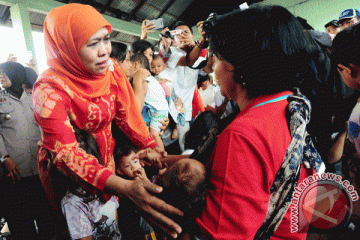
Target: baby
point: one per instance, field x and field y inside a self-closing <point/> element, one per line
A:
<point x="158" y="66"/>
<point x="150" y="95"/>
<point x="183" y="181"/>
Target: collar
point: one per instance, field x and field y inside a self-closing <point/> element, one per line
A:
<point x="263" y="99"/>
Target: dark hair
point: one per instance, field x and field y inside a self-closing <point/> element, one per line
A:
<point x="31" y="77"/>
<point x="181" y="23"/>
<point x="140" y="46"/>
<point x="332" y="23"/>
<point x="267" y="47"/>
<point x="346" y="46"/>
<point x="142" y="59"/>
<point x="17" y="75"/>
<point x="304" y="23"/>
<point x="156" y="56"/>
<point x="202" y="135"/>
<point x="121" y="150"/>
<point x="87" y="142"/>
<point x="119" y="51"/>
<point x="202" y="78"/>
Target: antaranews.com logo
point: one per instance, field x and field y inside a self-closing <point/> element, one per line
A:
<point x="322" y="201"/>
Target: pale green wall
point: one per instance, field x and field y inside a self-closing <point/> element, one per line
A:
<point x="320" y="12"/>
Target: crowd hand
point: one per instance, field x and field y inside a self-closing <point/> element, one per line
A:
<point x="165" y="122"/>
<point x="166" y="40"/>
<point x="11" y="58"/>
<point x="150" y="157"/>
<point x="201" y="32"/>
<point x="146" y="29"/>
<point x="12" y="169"/>
<point x="152" y="208"/>
<point x="32" y="64"/>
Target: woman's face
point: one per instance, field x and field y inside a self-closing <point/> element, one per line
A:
<point x="224" y="73"/>
<point x="126" y="65"/>
<point x="149" y="55"/>
<point x="96" y="52"/>
<point x="5" y="81"/>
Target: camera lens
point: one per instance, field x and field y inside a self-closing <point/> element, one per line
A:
<point x="167" y="34"/>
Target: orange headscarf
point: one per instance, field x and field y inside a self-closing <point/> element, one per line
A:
<point x="66" y="30"/>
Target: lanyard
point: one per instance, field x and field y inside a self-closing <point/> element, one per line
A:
<point x="272" y="100"/>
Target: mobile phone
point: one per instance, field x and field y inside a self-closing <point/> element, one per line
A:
<point x="159" y="23"/>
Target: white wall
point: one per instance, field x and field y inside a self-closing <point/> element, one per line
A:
<point x="318" y="12"/>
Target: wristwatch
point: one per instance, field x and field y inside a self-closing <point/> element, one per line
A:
<point x="2" y="160"/>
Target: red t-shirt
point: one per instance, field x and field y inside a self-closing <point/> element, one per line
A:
<point x="247" y="156"/>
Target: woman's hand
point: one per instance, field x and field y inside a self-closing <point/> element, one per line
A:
<point x="146" y="29"/>
<point x="150" y="157"/>
<point x="151" y="208"/>
<point x="12" y="169"/>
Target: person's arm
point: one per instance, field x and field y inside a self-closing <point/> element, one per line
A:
<point x="141" y="192"/>
<point x="12" y="169"/>
<point x="140" y="86"/>
<point x="196" y="51"/>
<point x="336" y="151"/>
<point x="153" y="158"/>
<point x="146" y="29"/>
<point x="165" y="43"/>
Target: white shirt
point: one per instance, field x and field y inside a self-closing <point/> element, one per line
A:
<point x="155" y="95"/>
<point x="208" y="95"/>
<point x="185" y="80"/>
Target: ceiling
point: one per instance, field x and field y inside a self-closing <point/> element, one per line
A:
<point x="135" y="11"/>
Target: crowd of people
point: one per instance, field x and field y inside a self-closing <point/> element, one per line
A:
<point x="118" y="142"/>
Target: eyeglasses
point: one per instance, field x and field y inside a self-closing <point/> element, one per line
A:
<point x="184" y="32"/>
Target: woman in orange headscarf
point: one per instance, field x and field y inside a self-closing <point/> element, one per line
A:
<point x="83" y="89"/>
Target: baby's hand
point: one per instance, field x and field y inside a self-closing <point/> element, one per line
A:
<point x="140" y="173"/>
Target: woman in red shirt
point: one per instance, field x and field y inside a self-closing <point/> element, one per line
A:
<point x="261" y="54"/>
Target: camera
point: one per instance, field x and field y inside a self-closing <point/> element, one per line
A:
<point x="210" y="22"/>
<point x="171" y="34"/>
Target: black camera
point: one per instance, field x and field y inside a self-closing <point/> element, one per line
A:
<point x="209" y="23"/>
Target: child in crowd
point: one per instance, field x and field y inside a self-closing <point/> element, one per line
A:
<point x="150" y="93"/>
<point x="158" y="67"/>
<point x="87" y="214"/>
<point x="183" y="181"/>
<point x="131" y="224"/>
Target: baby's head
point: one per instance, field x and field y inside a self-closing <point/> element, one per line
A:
<point x="158" y="64"/>
<point x="126" y="166"/>
<point x="138" y="61"/>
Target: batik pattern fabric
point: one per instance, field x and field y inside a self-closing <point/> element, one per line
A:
<point x="300" y="151"/>
<point x="58" y="110"/>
